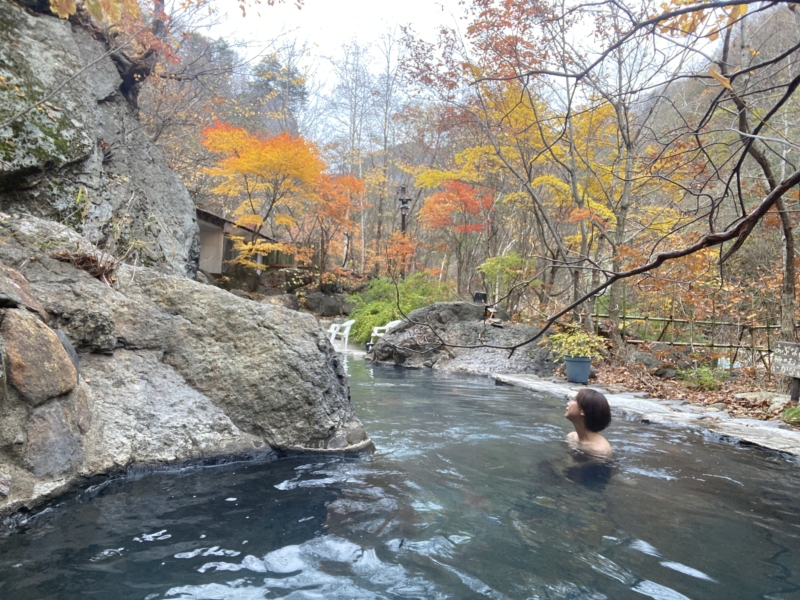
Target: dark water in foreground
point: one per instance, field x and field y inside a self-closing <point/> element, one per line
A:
<point x="472" y="493"/>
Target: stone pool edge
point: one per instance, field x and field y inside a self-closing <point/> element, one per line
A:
<point x="772" y="435"/>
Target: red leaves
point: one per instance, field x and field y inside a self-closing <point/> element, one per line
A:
<point x="505" y="34"/>
<point x="456" y="207"/>
<point x="577" y="215"/>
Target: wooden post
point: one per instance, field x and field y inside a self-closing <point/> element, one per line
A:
<point x="769" y="351"/>
<point x="663" y="331"/>
<point x="671" y="318"/>
<point x="730" y="356"/>
<point x="713" y="317"/>
<point x="738" y="344"/>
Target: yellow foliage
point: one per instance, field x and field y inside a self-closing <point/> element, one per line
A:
<point x="250" y="220"/>
<point x="659" y="220"/>
<point x="266" y="172"/>
<point x="601" y="212"/>
<point x="284" y="219"/>
<point x="560" y="190"/>
<point x="411" y="169"/>
<point x="247" y="252"/>
<point x="474" y="164"/>
<point x="573" y="241"/>
<point x="433" y="178"/>
<point x="100" y="10"/>
<point x="63" y="8"/>
<point x="701" y="22"/>
<point x="131" y="7"/>
<point x="520" y="198"/>
<point x="260" y="246"/>
<point x="375" y="178"/>
<point x="724" y="81"/>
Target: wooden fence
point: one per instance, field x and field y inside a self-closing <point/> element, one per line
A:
<point x="730" y="344"/>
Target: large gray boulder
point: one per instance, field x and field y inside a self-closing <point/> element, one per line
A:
<point x="170" y="370"/>
<point x="328" y="305"/>
<point x="452" y="336"/>
<point x="81" y="157"/>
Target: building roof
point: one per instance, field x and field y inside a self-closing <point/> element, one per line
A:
<point x="226" y="225"/>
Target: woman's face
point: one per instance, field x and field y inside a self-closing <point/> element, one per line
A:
<point x="573" y="410"/>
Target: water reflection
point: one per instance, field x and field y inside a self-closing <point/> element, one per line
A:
<point x="472" y="492"/>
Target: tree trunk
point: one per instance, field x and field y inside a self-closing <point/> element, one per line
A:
<point x="346" y="248"/>
<point x="615" y="301"/>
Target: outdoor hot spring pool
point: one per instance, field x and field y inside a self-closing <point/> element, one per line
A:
<point x="472" y="493"/>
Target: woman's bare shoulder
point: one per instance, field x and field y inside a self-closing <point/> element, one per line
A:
<point x="599" y="446"/>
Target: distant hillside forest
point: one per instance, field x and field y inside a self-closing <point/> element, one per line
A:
<point x="567" y="159"/>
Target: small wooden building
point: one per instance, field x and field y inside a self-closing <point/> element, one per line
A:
<point x="216" y="247"/>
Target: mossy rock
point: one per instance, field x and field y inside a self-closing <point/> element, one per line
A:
<point x="52" y="133"/>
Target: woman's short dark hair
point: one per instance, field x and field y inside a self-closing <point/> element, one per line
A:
<point x="596" y="411"/>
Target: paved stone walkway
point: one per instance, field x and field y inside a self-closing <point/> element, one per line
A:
<point x="774" y="435"/>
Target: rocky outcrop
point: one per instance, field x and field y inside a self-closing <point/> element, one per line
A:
<point x="81" y="156"/>
<point x="284" y="300"/>
<point x="452" y="336"/>
<point x="327" y="305"/>
<point x="170" y="370"/>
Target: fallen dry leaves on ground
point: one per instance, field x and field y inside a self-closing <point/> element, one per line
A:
<point x="636" y="379"/>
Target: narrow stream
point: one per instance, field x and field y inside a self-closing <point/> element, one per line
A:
<point x="472" y="493"/>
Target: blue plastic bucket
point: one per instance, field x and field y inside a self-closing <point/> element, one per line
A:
<point x="578" y="368"/>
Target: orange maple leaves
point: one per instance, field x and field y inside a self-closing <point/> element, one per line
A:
<point x="264" y="172"/>
<point x="281" y="186"/>
<point x="282" y="159"/>
<point x="337" y="194"/>
<point x="458" y="207"/>
<point x="400" y="251"/>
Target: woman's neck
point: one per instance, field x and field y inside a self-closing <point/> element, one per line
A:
<point x="584" y="434"/>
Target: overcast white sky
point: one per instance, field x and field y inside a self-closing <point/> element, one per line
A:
<point x="327" y="24"/>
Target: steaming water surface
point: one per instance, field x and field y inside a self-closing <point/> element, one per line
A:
<point x="472" y="493"/>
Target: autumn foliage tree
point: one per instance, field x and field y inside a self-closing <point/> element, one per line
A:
<point x="457" y="215"/>
<point x="334" y="214"/>
<point x="269" y="177"/>
<point x="398" y="254"/>
<point x="639" y="133"/>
